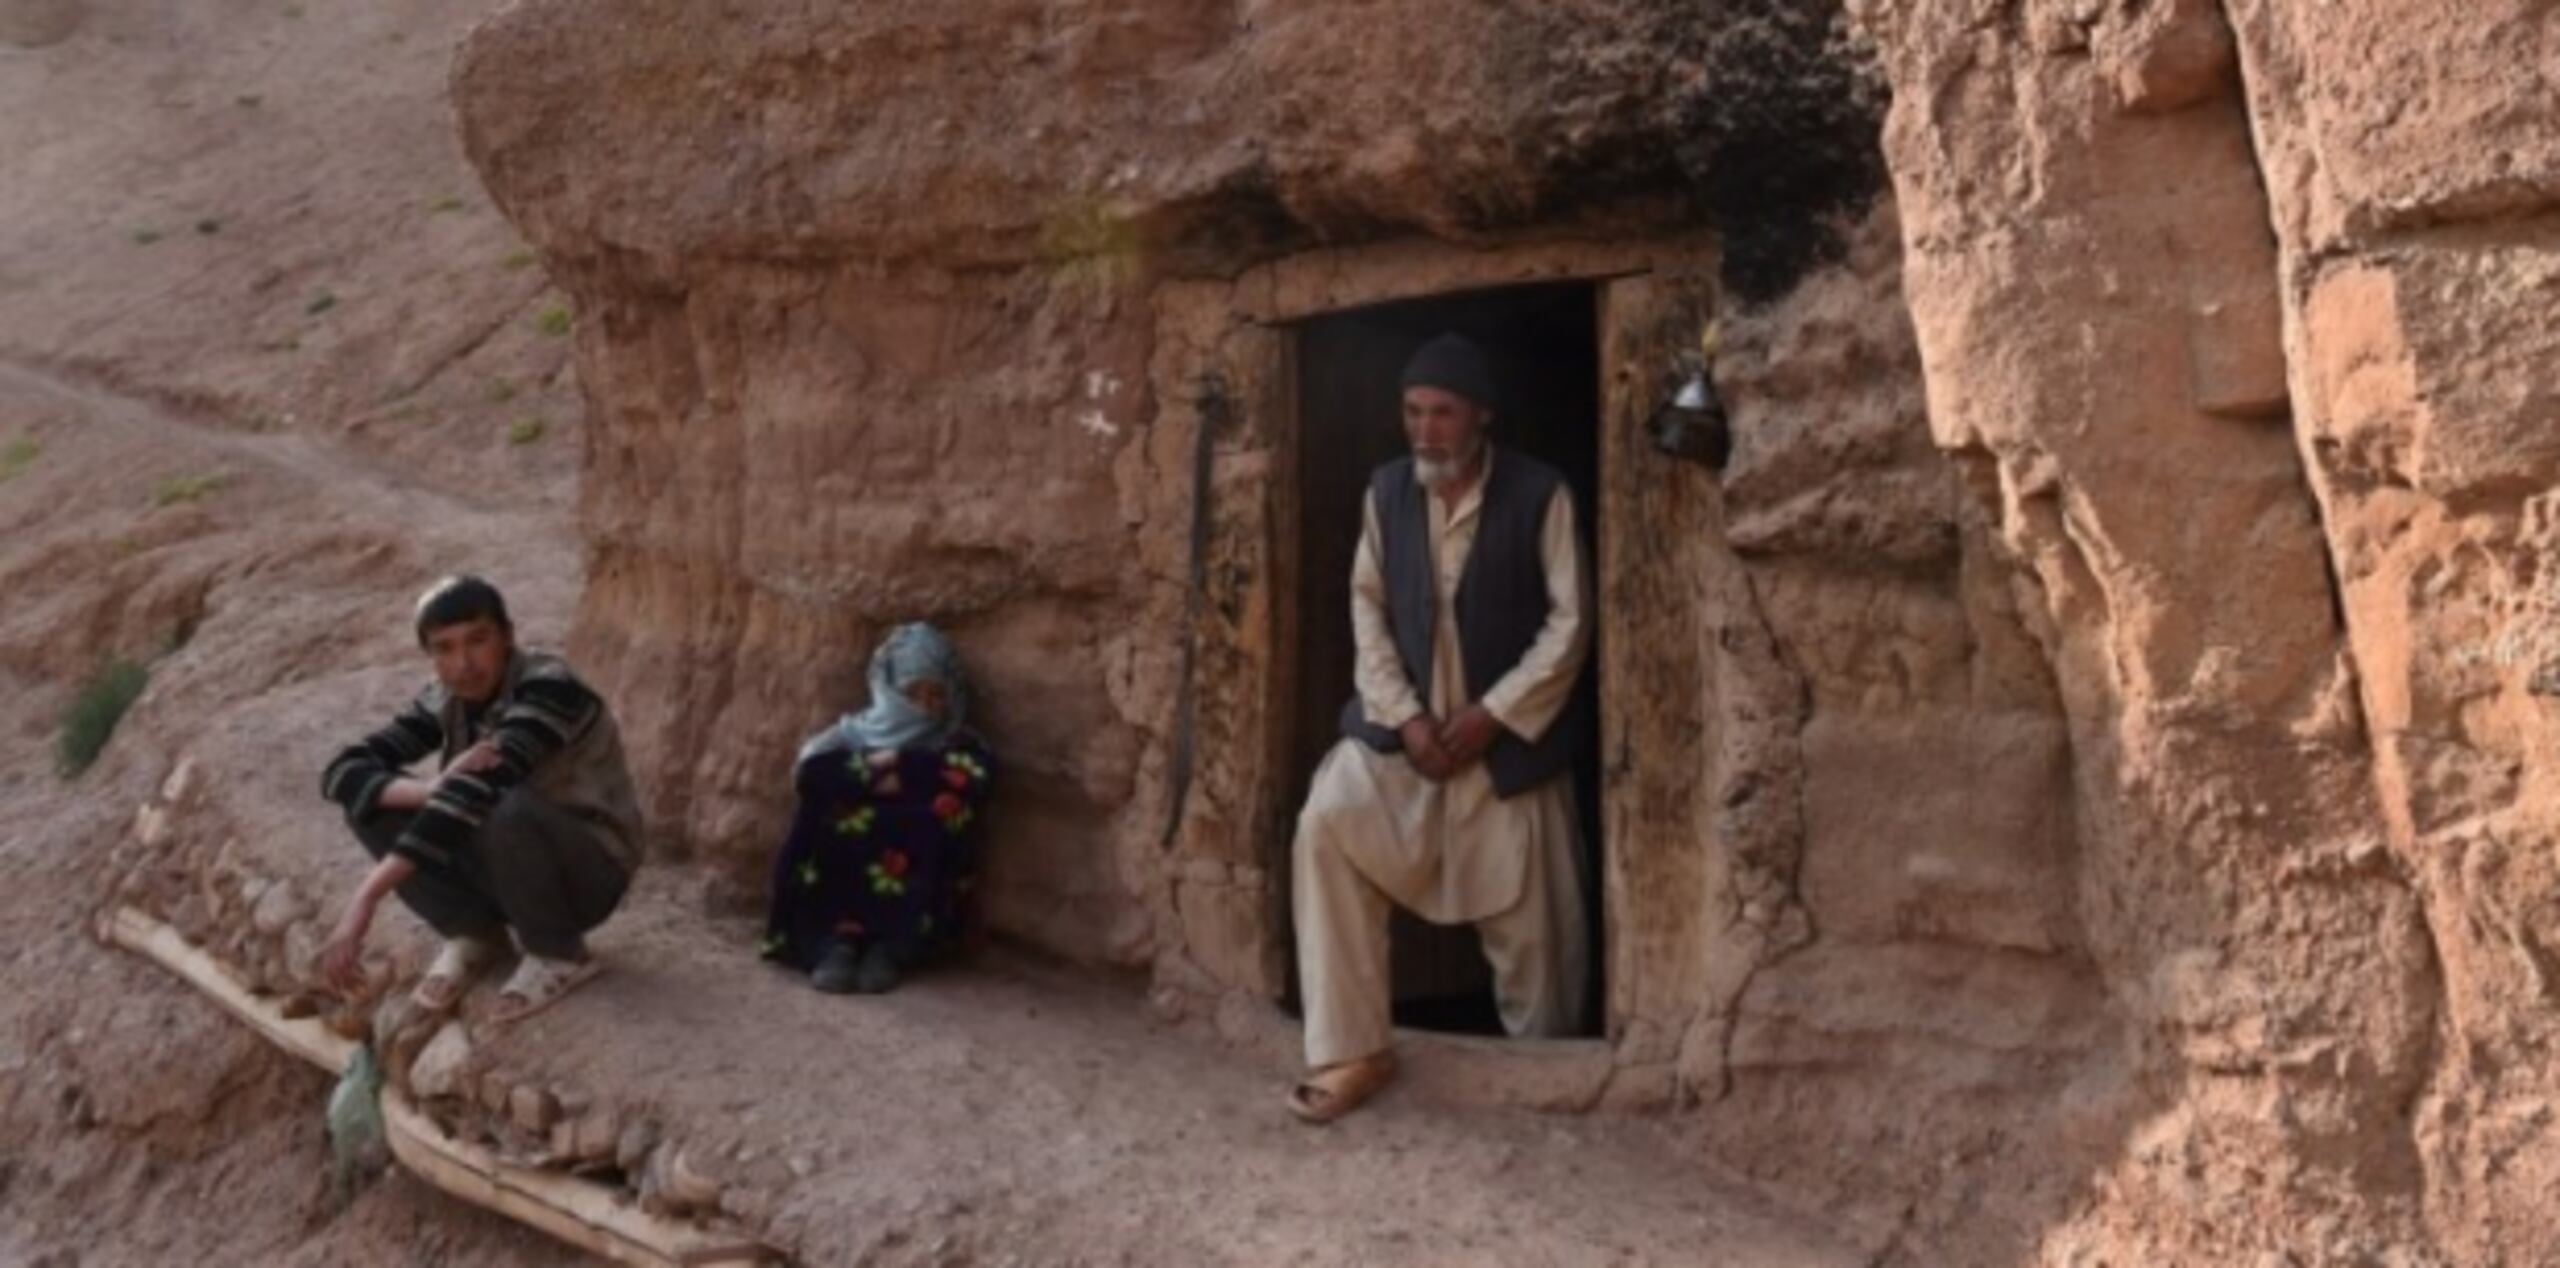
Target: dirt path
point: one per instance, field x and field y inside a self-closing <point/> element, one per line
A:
<point x="358" y="489"/>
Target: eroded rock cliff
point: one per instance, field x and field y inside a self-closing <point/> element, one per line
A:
<point x="866" y="318"/>
<point x="2076" y="787"/>
<point x="2225" y="300"/>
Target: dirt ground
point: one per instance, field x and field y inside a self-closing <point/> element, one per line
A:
<point x="267" y="363"/>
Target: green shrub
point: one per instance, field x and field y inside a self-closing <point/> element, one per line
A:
<point x="1091" y="246"/>
<point x="553" y="319"/>
<point x="18" y="455"/>
<point x="501" y="391"/>
<point x="444" y="203"/>
<point x="516" y="260"/>
<point x="185" y="488"/>
<point x="146" y="236"/>
<point x="524" y="431"/>
<point x="89" y="721"/>
<point x="320" y="303"/>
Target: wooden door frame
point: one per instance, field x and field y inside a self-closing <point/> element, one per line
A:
<point x="1246" y="335"/>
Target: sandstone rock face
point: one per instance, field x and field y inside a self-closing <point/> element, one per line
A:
<point x="2074" y="784"/>
<point x="2295" y="653"/>
<point x="2415" y="210"/>
<point x="867" y="332"/>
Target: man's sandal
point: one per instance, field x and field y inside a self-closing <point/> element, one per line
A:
<point x="452" y="972"/>
<point x="1337" y="1090"/>
<point x="538" y="983"/>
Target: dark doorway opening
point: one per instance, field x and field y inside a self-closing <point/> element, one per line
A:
<point x="1543" y="341"/>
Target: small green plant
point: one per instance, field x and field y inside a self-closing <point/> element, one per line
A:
<point x="501" y="391"/>
<point x="517" y="260"/>
<point x="189" y="487"/>
<point x="289" y="343"/>
<point x="18" y="455"/>
<point x="553" y="319"/>
<point x="209" y="226"/>
<point x="445" y="203"/>
<point x="1091" y="246"/>
<point x="89" y="721"/>
<point x="145" y="236"/>
<point x="320" y="303"/>
<point x="248" y="101"/>
<point x="524" y="431"/>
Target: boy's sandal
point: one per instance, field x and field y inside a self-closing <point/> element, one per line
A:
<point x="538" y="983"/>
<point x="451" y="973"/>
<point x="1337" y="1090"/>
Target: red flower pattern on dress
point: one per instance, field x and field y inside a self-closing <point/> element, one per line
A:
<point x="913" y="894"/>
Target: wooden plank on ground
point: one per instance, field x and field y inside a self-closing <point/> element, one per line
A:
<point x="580" y="1212"/>
<point x="573" y="1210"/>
<point x="306" y="1037"/>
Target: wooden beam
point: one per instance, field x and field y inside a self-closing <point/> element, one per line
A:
<point x="579" y="1212"/>
<point x="307" y="1037"/>
<point x="576" y="1211"/>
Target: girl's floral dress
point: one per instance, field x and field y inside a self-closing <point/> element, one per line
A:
<point x="871" y="860"/>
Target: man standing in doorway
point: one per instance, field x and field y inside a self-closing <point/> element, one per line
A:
<point x="531" y="826"/>
<point x="1450" y="794"/>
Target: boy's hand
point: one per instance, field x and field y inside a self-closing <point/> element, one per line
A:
<point x="475" y="759"/>
<point x="342" y="957"/>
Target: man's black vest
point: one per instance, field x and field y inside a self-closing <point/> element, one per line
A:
<point x="1501" y="605"/>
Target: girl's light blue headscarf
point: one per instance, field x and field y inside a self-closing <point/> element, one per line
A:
<point x="912" y="653"/>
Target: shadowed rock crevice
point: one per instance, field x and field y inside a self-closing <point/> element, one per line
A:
<point x="1785" y="157"/>
<point x="1761" y="121"/>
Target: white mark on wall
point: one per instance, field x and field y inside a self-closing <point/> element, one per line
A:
<point x="1099" y="386"/>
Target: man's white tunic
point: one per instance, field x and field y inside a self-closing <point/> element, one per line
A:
<point x="1375" y="830"/>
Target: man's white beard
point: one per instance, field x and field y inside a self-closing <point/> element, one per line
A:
<point x="1440" y="473"/>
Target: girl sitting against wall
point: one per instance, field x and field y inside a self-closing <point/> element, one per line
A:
<point x="882" y="852"/>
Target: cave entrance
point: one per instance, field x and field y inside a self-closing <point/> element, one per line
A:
<point x="1543" y="341"/>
